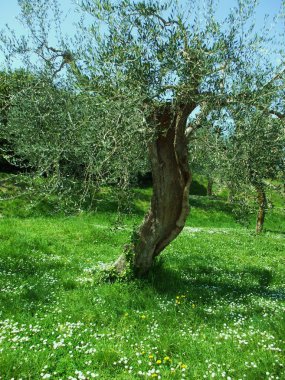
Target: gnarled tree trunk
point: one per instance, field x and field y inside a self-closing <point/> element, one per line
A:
<point x="262" y="204"/>
<point x="171" y="181"/>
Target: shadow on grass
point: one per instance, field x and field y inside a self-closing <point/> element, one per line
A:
<point x="197" y="188"/>
<point x="136" y="205"/>
<point x="31" y="205"/>
<point x="206" y="284"/>
<point x="277" y="232"/>
<point x="211" y="204"/>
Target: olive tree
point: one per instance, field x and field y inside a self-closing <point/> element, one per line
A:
<point x="254" y="156"/>
<point x="147" y="66"/>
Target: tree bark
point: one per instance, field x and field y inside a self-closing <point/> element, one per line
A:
<point x="210" y="187"/>
<point x="262" y="204"/>
<point x="171" y="181"/>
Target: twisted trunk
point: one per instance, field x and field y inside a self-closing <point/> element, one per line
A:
<point x="171" y="181"/>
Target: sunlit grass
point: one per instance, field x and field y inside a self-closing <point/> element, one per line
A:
<point x="213" y="306"/>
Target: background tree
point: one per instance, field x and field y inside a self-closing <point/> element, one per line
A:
<point x="144" y="67"/>
<point x="254" y="156"/>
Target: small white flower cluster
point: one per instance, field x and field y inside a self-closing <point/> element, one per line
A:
<point x="79" y="375"/>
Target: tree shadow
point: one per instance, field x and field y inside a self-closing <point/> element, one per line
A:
<point x="277" y="232"/>
<point x="207" y="285"/>
<point x="211" y="204"/>
<point x="197" y="188"/>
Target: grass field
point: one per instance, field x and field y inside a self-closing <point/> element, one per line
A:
<point x="212" y="308"/>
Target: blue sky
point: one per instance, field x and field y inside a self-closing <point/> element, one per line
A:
<point x="9" y="10"/>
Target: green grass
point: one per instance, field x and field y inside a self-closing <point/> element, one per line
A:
<point x="213" y="306"/>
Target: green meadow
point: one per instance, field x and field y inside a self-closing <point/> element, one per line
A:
<point x="212" y="307"/>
